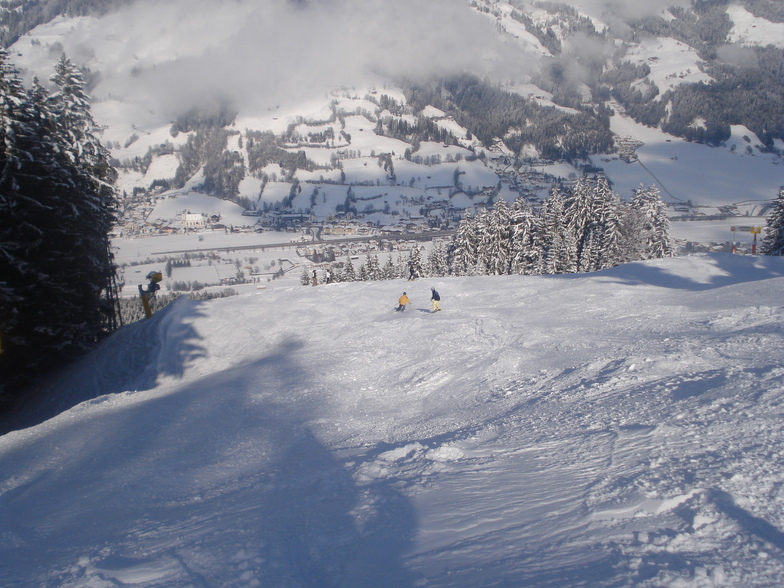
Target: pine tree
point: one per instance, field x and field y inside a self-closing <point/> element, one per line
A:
<point x="373" y="268"/>
<point x="362" y="273"/>
<point x="655" y="230"/>
<point x="348" y="272"/>
<point x="388" y="272"/>
<point x="415" y="262"/>
<point x="558" y="243"/>
<point x="578" y="213"/>
<point x="495" y="241"/>
<point x="607" y="214"/>
<point x="337" y="274"/>
<point x="97" y="203"/>
<point x="401" y="266"/>
<point x="437" y="261"/>
<point x="71" y="106"/>
<point x="462" y="252"/>
<point x="54" y="224"/>
<point x="593" y="215"/>
<point x="526" y="251"/>
<point x="633" y="229"/>
<point x="773" y="240"/>
<point x="591" y="250"/>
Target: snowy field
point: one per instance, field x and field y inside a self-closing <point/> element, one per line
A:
<point x="621" y="428"/>
<point x="691" y="172"/>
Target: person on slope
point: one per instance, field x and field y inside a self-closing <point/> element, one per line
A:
<point x="402" y="301"/>
<point x="435" y="299"/>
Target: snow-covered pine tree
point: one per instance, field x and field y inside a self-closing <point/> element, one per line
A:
<point x="558" y="243"/>
<point x="607" y="223"/>
<point x="655" y="229"/>
<point x="388" y="272"/>
<point x="591" y="251"/>
<point x="578" y="208"/>
<point x="401" y="266"/>
<point x="349" y="275"/>
<point x="462" y="250"/>
<point x="373" y="268"/>
<point x="337" y="273"/>
<point x="70" y="106"/>
<point x="593" y="219"/>
<point x="773" y="240"/>
<point x="362" y="273"/>
<point x="480" y="222"/>
<point x="633" y="229"/>
<point x="415" y="262"/>
<point x="525" y="246"/>
<point x="495" y="240"/>
<point x="437" y="265"/>
<point x="53" y="238"/>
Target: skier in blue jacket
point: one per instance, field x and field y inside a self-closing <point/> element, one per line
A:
<point x="436" y="299"/>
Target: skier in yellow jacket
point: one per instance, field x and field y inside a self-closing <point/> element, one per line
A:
<point x="402" y="301"/>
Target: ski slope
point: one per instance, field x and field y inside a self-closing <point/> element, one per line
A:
<point x="621" y="428"/>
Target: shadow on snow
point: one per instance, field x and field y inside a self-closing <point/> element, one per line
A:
<point x="218" y="481"/>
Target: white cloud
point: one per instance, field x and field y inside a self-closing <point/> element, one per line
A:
<point x="171" y="56"/>
<point x="178" y="54"/>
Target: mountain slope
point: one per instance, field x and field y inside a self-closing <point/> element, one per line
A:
<point x="620" y="428"/>
<point x="577" y="73"/>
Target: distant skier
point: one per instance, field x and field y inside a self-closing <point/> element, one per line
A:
<point x="436" y="299"/>
<point x="314" y="279"/>
<point x="402" y="301"/>
<point x="411" y="271"/>
<point x="328" y="277"/>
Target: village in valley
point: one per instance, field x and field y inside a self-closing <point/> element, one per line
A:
<point x="367" y="209"/>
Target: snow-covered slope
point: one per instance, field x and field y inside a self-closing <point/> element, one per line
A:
<point x="739" y="175"/>
<point x="615" y="429"/>
<point x="748" y="29"/>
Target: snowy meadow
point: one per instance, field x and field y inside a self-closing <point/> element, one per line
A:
<point x="620" y="428"/>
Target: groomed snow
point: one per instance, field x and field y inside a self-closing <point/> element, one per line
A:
<point x="621" y="428"/>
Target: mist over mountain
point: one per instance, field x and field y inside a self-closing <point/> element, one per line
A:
<point x="544" y="79"/>
<point x="182" y="54"/>
<point x="173" y="57"/>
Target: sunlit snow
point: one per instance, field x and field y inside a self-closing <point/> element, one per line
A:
<point x="611" y="429"/>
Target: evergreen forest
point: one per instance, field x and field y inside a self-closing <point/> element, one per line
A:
<point x="584" y="228"/>
<point x="57" y="206"/>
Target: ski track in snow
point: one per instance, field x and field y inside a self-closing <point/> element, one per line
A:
<point x="611" y="429"/>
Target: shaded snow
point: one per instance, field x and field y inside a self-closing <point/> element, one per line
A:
<point x="613" y="429"/>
